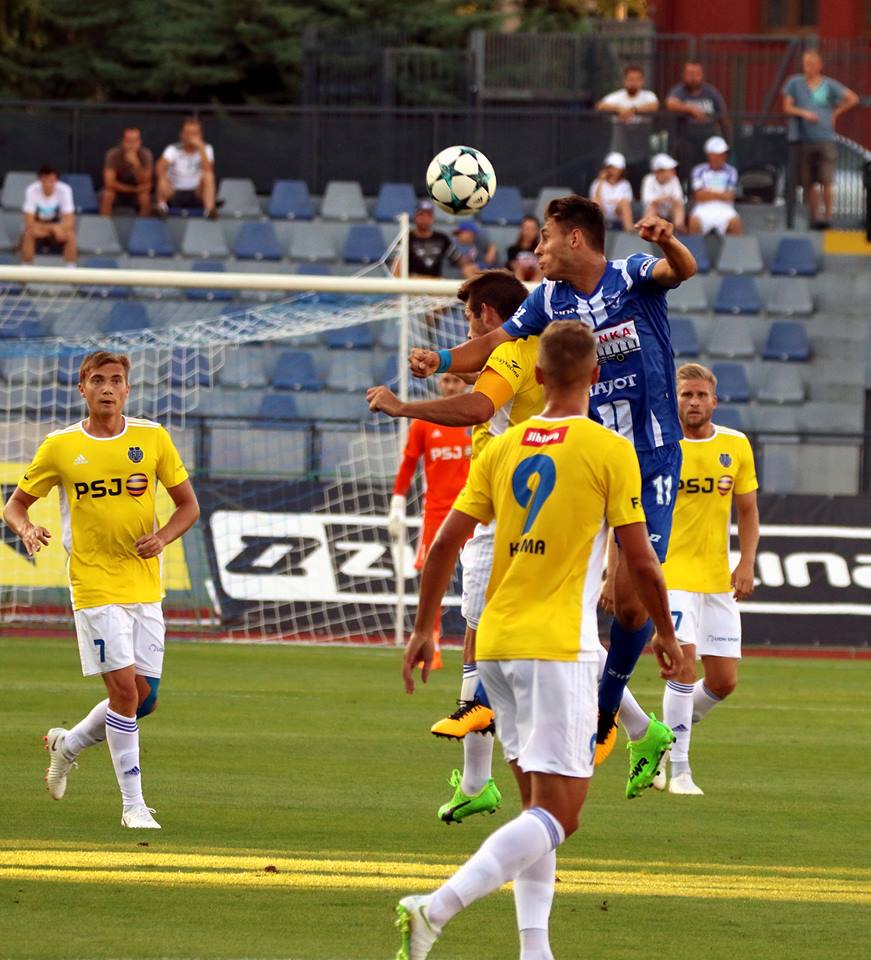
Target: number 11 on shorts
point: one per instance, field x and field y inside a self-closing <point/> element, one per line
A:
<point x="662" y="485"/>
<point x="101" y="646"/>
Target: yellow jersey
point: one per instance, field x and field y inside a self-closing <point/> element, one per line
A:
<point x="713" y="470"/>
<point x="554" y="486"/>
<point x="508" y="379"/>
<point x="107" y="490"/>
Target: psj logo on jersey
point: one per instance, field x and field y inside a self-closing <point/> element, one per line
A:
<point x="136" y="484"/>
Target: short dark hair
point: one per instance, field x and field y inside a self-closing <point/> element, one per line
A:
<point x="99" y="359"/>
<point x="566" y="353"/>
<point x="632" y="68"/>
<point x="579" y="213"/>
<point x="499" y="289"/>
<point x="194" y="120"/>
<point x="46" y="170"/>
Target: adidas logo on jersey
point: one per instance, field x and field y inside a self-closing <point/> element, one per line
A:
<point x="80" y="459"/>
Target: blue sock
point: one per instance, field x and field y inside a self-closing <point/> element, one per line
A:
<point x="481" y="694"/>
<point x="623" y="654"/>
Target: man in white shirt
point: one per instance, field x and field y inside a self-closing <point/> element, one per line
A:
<point x="186" y="172"/>
<point x="661" y="192"/>
<point x="630" y="102"/>
<point x="714" y="186"/>
<point x="49" y="218"/>
<point x="613" y="192"/>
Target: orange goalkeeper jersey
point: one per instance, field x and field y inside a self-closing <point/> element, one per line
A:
<point x="446" y="452"/>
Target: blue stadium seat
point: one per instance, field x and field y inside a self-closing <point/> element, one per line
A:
<point x="98" y="290"/>
<point x="296" y="370"/>
<point x="787" y="340"/>
<point x="738" y="294"/>
<point x="733" y="385"/>
<point x="729" y="417"/>
<point x="257" y="241"/>
<point x="695" y="243"/>
<point x="127" y="315"/>
<point x="278" y="407"/>
<point x="150" y="237"/>
<point x="68" y="365"/>
<point x="684" y="337"/>
<point x="795" y="257"/>
<point x="315" y="268"/>
<point x="201" y="293"/>
<point x="364" y="244"/>
<point x="189" y="368"/>
<point x="84" y="196"/>
<point x="359" y="337"/>
<point x="393" y="199"/>
<point x="290" y="200"/>
<point x="350" y="371"/>
<point x="505" y="208"/>
<point x="20" y="327"/>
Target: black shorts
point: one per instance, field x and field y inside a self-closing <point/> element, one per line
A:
<point x="185" y="199"/>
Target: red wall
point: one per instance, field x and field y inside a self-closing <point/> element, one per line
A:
<point x="843" y="18"/>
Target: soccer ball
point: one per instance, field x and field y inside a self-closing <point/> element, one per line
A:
<point x="460" y="180"/>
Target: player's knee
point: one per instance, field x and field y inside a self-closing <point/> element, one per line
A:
<point x="631" y="616"/>
<point x="722" y="687"/>
<point x="148" y="703"/>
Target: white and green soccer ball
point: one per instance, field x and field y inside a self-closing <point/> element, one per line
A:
<point x="460" y="180"/>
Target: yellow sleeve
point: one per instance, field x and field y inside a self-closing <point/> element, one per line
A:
<point x="170" y="469"/>
<point x="495" y="387"/>
<point x="623" y="496"/>
<point x="507" y="361"/>
<point x="476" y="497"/>
<point x="42" y="474"/>
<point x="745" y="481"/>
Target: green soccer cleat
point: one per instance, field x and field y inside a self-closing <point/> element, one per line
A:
<point x="487" y="800"/>
<point x="418" y="934"/>
<point x="645" y="756"/>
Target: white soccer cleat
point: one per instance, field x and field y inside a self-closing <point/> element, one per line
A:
<point x="659" y="780"/>
<point x="139" y="818"/>
<point x="59" y="766"/>
<point x="418" y="934"/>
<point x="683" y="784"/>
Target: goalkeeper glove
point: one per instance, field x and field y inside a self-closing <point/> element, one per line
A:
<point x="396" y="517"/>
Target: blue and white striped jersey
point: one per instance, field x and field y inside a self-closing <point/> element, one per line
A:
<point x="635" y="394"/>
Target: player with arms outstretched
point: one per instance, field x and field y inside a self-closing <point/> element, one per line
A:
<point x="624" y="303"/>
<point x="718" y="469"/>
<point x="106" y="468"/>
<point x="538" y="638"/>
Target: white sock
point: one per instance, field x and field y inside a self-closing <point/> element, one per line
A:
<point x="677" y="713"/>
<point x="122" y="735"/>
<point x="533" y="897"/>
<point x="703" y="701"/>
<point x="470" y="681"/>
<point x="477" y="762"/>
<point x="500" y="858"/>
<point x="89" y="731"/>
<point x="633" y="718"/>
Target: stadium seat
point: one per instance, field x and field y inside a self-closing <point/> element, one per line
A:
<point x="350" y="371"/>
<point x="290" y="200"/>
<point x="296" y="370"/>
<point x="779" y="473"/>
<point x="394" y="199"/>
<point x="364" y="244"/>
<point x="278" y="407"/>
<point x="729" y="417"/>
<point x="780" y="384"/>
<point x="204" y="238"/>
<point x="8" y="237"/>
<point x="689" y="297"/>
<point x="20" y="326"/>
<point x="238" y="451"/>
<point x="335" y="449"/>
<point x="328" y="406"/>
<point x="343" y="200"/>
<point x="189" y="368"/>
<point x="239" y="198"/>
<point x="257" y="241"/>
<point x="626" y="244"/>
<point x="68" y="365"/>
<point x="778" y="420"/>
<point x="789" y="296"/>
<point x="732" y="339"/>
<point x="684" y="337"/>
<point x="696" y="245"/>
<point x="505" y="208"/>
<point x="150" y="238"/>
<point x="545" y="195"/>
<point x="227" y="402"/>
<point x="100" y="290"/>
<point x="795" y="257"/>
<point x="314" y="268"/>
<point x="359" y="337"/>
<point x="244" y="368"/>
<point x="15" y="183"/>
<point x="738" y="295"/>
<point x="127" y="315"/>
<point x="311" y="241"/>
<point x="9" y="287"/>
<point x="732" y="383"/>
<point x="740" y="255"/>
<point x="213" y="293"/>
<point x="787" y="340"/>
<point x="97" y="235"/>
<point x="84" y="195"/>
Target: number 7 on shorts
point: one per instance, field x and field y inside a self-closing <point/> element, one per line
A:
<point x="101" y="646"/>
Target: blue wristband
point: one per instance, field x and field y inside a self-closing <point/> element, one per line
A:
<point x="444" y="361"/>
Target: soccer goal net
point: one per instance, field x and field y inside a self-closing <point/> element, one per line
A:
<point x="261" y="381"/>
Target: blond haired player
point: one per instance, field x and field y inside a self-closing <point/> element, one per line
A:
<point x="106" y="468"/>
<point x="537" y="643"/>
<point x="717" y="469"/>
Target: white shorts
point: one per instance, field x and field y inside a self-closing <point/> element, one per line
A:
<point x="121" y="635"/>
<point x="477" y="561"/>
<point x="546" y="713"/>
<point x="714" y="215"/>
<point x="711" y="621"/>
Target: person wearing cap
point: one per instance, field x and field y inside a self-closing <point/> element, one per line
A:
<point x="475" y="256"/>
<point x="714" y="186"/>
<point x="613" y="193"/>
<point x="428" y="248"/>
<point x="661" y="191"/>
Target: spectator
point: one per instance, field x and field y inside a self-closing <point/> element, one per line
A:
<point x="661" y="192"/>
<point x="474" y="257"/>
<point x="127" y="174"/>
<point x="714" y="185"/>
<point x="49" y="218"/>
<point x="814" y="102"/>
<point x="522" y="261"/>
<point x="703" y="111"/>
<point x="632" y="99"/>
<point x="428" y="248"/>
<point x="613" y="192"/>
<point x="186" y="172"/>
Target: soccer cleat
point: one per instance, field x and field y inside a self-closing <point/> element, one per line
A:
<point x="683" y="784"/>
<point x="139" y="818"/>
<point x="645" y="756"/>
<point x="606" y="736"/>
<point x="472" y="717"/>
<point x="460" y="806"/>
<point x="659" y="780"/>
<point x="59" y="766"/>
<point x="418" y="934"/>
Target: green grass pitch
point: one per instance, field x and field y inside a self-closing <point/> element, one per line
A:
<point x="313" y="762"/>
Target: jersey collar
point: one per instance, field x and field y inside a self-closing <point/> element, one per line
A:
<point x="90" y="436"/>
